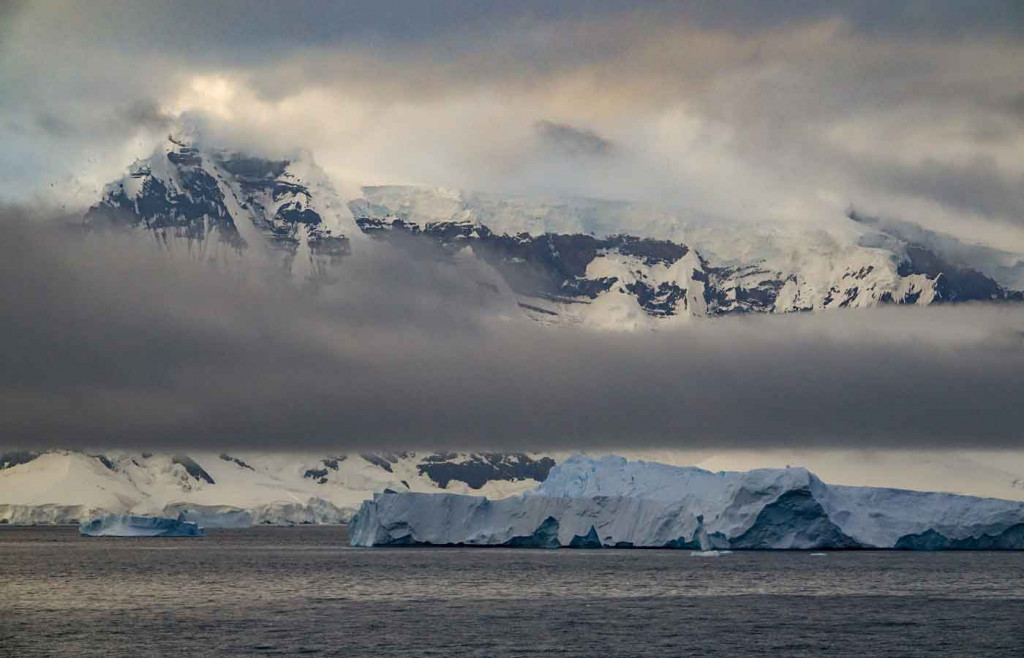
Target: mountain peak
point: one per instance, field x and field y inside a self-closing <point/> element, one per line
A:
<point x="561" y="261"/>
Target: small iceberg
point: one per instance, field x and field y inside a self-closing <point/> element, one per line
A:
<point x="711" y="553"/>
<point x="131" y="525"/>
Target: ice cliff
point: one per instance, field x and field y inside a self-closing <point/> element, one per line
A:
<point x="613" y="502"/>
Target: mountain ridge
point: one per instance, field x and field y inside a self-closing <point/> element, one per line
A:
<point x="289" y="210"/>
<point x="245" y="487"/>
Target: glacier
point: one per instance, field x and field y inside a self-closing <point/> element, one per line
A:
<point x="614" y="502"/>
<point x="131" y="525"/>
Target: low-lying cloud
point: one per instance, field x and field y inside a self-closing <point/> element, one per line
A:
<point x="564" y="139"/>
<point x="109" y="341"/>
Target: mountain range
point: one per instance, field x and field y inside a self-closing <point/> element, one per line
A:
<point x="560" y="261"/>
<point x="248" y="487"/>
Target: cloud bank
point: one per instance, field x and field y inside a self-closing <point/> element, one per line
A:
<point x="769" y="111"/>
<point x="773" y="111"/>
<point x="111" y="342"/>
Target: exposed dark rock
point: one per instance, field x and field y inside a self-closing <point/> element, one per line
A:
<point x="380" y="461"/>
<point x="332" y="462"/>
<point x="761" y="297"/>
<point x="293" y="214"/>
<point x="659" y="301"/>
<point x="953" y="283"/>
<point x="184" y="215"/>
<point x="254" y="168"/>
<point x="229" y="458"/>
<point x="192" y="468"/>
<point x="441" y="457"/>
<point x="479" y="469"/>
<point x="536" y="309"/>
<point x="587" y="287"/>
<point x="549" y="265"/>
<point x="334" y="246"/>
<point x="16" y="457"/>
<point x="652" y="252"/>
<point x="103" y="459"/>
<point x="187" y="157"/>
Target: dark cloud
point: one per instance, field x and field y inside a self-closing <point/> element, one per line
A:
<point x="53" y="125"/>
<point x="977" y="186"/>
<point x="142" y="114"/>
<point x="108" y="342"/>
<point x="227" y="30"/>
<point x="1016" y="105"/>
<point x="781" y="109"/>
<point x="948" y="18"/>
<point x="564" y="139"/>
<point x="145" y="113"/>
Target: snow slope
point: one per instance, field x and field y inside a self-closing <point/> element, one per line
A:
<point x="570" y="264"/>
<point x="252" y="488"/>
<point x="241" y="489"/>
<point x="615" y="502"/>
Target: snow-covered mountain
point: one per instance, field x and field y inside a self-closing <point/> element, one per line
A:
<point x="568" y="261"/>
<point x="559" y="261"/>
<point x="563" y="261"/>
<point x="613" y="502"/>
<point x="243" y="488"/>
<point x="240" y="489"/>
<point x="218" y="204"/>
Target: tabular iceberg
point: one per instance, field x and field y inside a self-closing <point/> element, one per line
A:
<point x="131" y="525"/>
<point x="612" y="502"/>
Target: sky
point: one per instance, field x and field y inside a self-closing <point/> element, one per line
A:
<point x="788" y="112"/>
<point x="116" y="343"/>
<point x="770" y="111"/>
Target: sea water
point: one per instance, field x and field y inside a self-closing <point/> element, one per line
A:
<point x="302" y="590"/>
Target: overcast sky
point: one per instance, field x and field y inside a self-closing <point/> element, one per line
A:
<point x="112" y="342"/>
<point x="774" y="110"/>
<point x="771" y="112"/>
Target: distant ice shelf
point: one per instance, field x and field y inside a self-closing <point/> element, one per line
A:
<point x="613" y="502"/>
<point x="131" y="525"/>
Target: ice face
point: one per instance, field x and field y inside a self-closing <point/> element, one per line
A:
<point x="130" y="525"/>
<point x="613" y="502"/>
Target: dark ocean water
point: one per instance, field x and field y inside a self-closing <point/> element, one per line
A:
<point x="291" y="591"/>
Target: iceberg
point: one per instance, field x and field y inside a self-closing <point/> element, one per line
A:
<point x="131" y="525"/>
<point x="210" y="516"/>
<point x="617" y="503"/>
